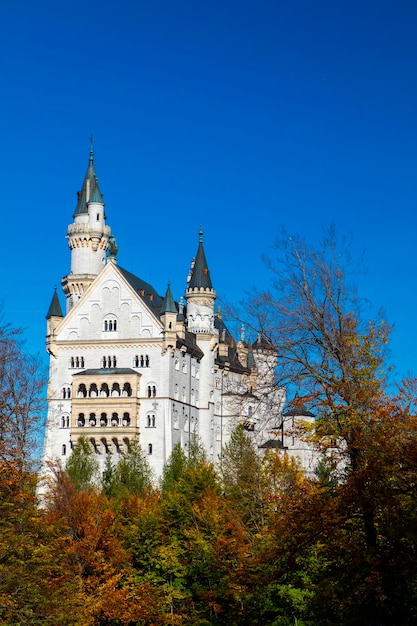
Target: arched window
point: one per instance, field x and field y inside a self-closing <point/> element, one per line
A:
<point x="93" y="391"/>
<point x="82" y="391"/>
<point x="176" y="393"/>
<point x="177" y="364"/>
<point x="127" y="390"/>
<point x="81" y="420"/>
<point x="64" y="449"/>
<point x="150" y="420"/>
<point x="114" y="362"/>
<point x="146" y="361"/>
<point x="106" y="326"/>
<point x="103" y="419"/>
<point x="126" y="419"/>
<point x="136" y="361"/>
<point x="115" y="390"/>
<point x="104" y="390"/>
<point x="150" y="448"/>
<point x="114" y="419"/>
<point x="92" y="420"/>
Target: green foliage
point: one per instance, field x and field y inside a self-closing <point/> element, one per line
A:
<point x="132" y="475"/>
<point x="241" y="473"/>
<point x="82" y="467"/>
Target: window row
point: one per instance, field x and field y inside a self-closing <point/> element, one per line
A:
<point x="141" y="361"/>
<point x="194" y="394"/>
<point x="109" y="325"/>
<point x="109" y="362"/>
<point x="103" y="420"/>
<point x="106" y="446"/>
<point x="76" y="361"/>
<point x="116" y="390"/>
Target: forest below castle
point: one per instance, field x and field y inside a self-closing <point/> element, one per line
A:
<point x="252" y="540"/>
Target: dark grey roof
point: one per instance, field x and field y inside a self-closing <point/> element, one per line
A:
<point x="232" y="356"/>
<point x="148" y="294"/>
<point x="200" y="276"/>
<point x="263" y="343"/>
<point x="106" y="371"/>
<point x="168" y="305"/>
<point x="191" y="344"/>
<point x="55" y="307"/>
<point x="273" y="443"/>
<point x="91" y="177"/>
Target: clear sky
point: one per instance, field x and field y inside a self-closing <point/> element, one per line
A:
<point x="239" y="115"/>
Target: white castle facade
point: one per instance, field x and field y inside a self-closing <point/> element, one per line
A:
<point x="126" y="362"/>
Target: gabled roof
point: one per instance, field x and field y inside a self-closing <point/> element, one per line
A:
<point x="55" y="307"/>
<point x="147" y="293"/>
<point x="200" y="275"/>
<point x="90" y="188"/>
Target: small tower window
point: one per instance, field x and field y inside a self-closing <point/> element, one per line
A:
<point x="149" y="448"/>
<point x="150" y="421"/>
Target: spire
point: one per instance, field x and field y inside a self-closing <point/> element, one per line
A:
<point x="200" y="277"/>
<point x="90" y="189"/>
<point x="168" y="305"/>
<point x="55" y="307"/>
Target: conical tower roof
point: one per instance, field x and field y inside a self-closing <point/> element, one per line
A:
<point x="200" y="276"/>
<point x="90" y="188"/>
<point x="168" y="305"/>
<point x="55" y="307"/>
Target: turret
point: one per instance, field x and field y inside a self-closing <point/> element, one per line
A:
<point x="169" y="320"/>
<point x="88" y="237"/>
<point x="53" y="317"/>
<point x="200" y="295"/>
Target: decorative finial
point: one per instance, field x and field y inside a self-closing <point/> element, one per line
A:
<point x="201" y="234"/>
<point x="91" y="148"/>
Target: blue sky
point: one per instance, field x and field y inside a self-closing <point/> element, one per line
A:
<point x="241" y="116"/>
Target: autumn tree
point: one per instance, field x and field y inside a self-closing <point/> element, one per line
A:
<point x="332" y="358"/>
<point x="22" y="381"/>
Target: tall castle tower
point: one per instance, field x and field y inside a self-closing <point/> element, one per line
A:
<point x="88" y="238"/>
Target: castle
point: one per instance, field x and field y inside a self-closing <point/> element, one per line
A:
<point x="126" y="362"/>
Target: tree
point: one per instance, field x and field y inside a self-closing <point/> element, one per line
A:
<point x="241" y="472"/>
<point x="332" y="358"/>
<point x="132" y="474"/>
<point x="327" y="354"/>
<point x="22" y="381"/>
<point x="82" y="468"/>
